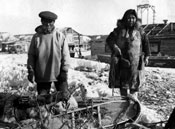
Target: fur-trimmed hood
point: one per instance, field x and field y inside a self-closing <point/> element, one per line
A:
<point x="128" y="12"/>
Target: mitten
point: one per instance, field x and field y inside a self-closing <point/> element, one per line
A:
<point x="63" y="76"/>
<point x="124" y="63"/>
<point x="31" y="74"/>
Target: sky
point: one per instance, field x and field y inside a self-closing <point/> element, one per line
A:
<point x="88" y="17"/>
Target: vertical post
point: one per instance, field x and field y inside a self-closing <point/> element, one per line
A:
<point x="153" y="8"/>
<point x="112" y="91"/>
<point x="73" y="120"/>
<point x="147" y="15"/>
<point x="141" y="13"/>
<point x="80" y="55"/>
<point x="99" y="116"/>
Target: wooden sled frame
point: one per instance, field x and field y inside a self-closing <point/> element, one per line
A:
<point x="117" y="123"/>
<point x="97" y="104"/>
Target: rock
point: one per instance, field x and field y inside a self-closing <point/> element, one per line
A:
<point x="157" y="77"/>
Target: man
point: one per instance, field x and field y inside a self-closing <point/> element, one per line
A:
<point x="48" y="56"/>
<point x="130" y="51"/>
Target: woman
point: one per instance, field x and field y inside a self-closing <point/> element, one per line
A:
<point x="130" y="52"/>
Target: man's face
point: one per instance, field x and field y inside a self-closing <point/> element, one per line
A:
<point x="48" y="24"/>
<point x="131" y="20"/>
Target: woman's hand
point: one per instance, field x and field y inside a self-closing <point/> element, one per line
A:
<point x="117" y="50"/>
<point x="146" y="60"/>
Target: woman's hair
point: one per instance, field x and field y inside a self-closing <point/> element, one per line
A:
<point x="127" y="13"/>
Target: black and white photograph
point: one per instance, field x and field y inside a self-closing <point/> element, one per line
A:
<point x="87" y="64"/>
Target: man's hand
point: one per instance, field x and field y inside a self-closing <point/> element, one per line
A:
<point x="31" y="77"/>
<point x="30" y="74"/>
<point x="66" y="95"/>
<point x="63" y="76"/>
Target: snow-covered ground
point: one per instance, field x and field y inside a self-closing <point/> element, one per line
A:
<point x="159" y="85"/>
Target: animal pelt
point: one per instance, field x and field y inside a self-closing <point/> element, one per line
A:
<point x="25" y="107"/>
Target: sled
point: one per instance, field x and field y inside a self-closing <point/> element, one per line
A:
<point x="92" y="113"/>
<point x="97" y="113"/>
<point x="103" y="113"/>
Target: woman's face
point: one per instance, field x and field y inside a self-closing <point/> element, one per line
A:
<point x="131" y="20"/>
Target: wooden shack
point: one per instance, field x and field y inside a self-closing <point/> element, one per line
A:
<point x="76" y="41"/>
<point x="162" y="44"/>
<point x="162" y="39"/>
<point x="98" y="44"/>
